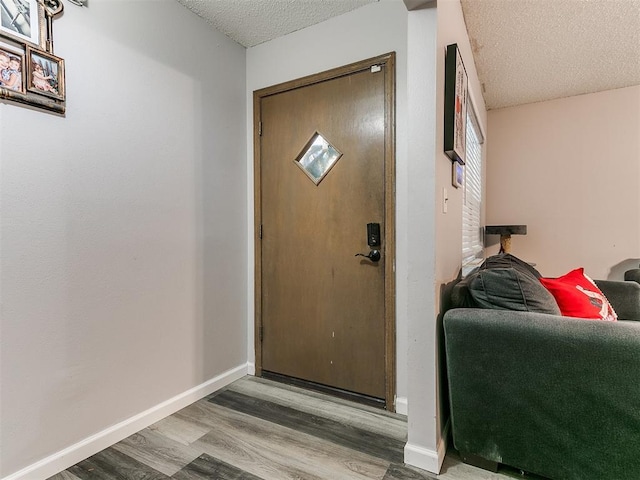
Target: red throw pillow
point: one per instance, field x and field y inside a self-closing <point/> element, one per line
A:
<point x="578" y="296"/>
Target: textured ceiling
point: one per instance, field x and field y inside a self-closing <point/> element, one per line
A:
<point x="525" y="50"/>
<point x="533" y="50"/>
<point x="251" y="22"/>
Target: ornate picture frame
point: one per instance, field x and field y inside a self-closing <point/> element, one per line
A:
<point x="23" y="21"/>
<point x="26" y="32"/>
<point x="45" y="74"/>
<point x="12" y="68"/>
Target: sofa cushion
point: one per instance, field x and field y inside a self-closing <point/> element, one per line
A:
<point x="578" y="296"/>
<point x="505" y="282"/>
<point x="632" y="275"/>
<point x="624" y="297"/>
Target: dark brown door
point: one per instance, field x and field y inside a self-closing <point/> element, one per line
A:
<point x="323" y="149"/>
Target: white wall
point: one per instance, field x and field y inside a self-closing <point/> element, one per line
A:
<point x="452" y="29"/>
<point x="420" y="296"/>
<point x="570" y="170"/>
<point x="447" y="227"/>
<point x="130" y="228"/>
<point x="366" y="32"/>
<point x="123" y="228"/>
<point x="443" y="246"/>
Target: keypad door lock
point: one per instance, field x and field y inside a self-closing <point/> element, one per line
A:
<point x="373" y="235"/>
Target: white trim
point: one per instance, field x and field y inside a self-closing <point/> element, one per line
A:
<point x="421" y="457"/>
<point x="402" y="407"/>
<point x="91" y="445"/>
<point x="474" y="118"/>
<point x="426" y="459"/>
<point x="251" y="368"/>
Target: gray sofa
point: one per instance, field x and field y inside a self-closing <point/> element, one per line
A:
<point x="554" y="396"/>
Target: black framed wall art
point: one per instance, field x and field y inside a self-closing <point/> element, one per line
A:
<point x="455" y="105"/>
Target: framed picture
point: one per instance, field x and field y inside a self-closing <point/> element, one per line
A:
<point x="455" y="105"/>
<point x="45" y="74"/>
<point x="12" y="68"/>
<point x="23" y="20"/>
<point x="457" y="174"/>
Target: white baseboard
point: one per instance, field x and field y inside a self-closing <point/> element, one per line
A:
<point x="422" y="458"/>
<point x="91" y="445"/>
<point x="251" y="369"/>
<point x="402" y="407"/>
<point x="427" y="459"/>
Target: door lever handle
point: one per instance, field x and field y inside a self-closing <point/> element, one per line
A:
<point x="373" y="255"/>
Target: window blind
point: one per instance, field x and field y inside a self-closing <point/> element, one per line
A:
<point x="472" y="237"/>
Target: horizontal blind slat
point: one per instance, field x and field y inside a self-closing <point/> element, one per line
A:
<point x="472" y="239"/>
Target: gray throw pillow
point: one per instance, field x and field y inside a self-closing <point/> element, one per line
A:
<point x="506" y="260"/>
<point x="508" y="284"/>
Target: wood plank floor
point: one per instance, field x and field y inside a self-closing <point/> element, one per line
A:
<point x="256" y="429"/>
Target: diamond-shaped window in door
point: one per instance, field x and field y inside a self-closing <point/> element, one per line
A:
<point x="317" y="158"/>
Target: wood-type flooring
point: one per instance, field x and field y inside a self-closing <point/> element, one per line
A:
<point x="257" y="429"/>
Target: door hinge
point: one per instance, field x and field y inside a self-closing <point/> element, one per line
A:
<point x="259" y="129"/>
<point x="260" y="231"/>
<point x="376" y="68"/>
<point x="260" y="332"/>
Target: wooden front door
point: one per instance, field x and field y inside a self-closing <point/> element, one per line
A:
<point x="324" y="170"/>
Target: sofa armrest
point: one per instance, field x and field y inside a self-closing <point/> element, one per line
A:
<point x="623" y="296"/>
<point x="551" y="395"/>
